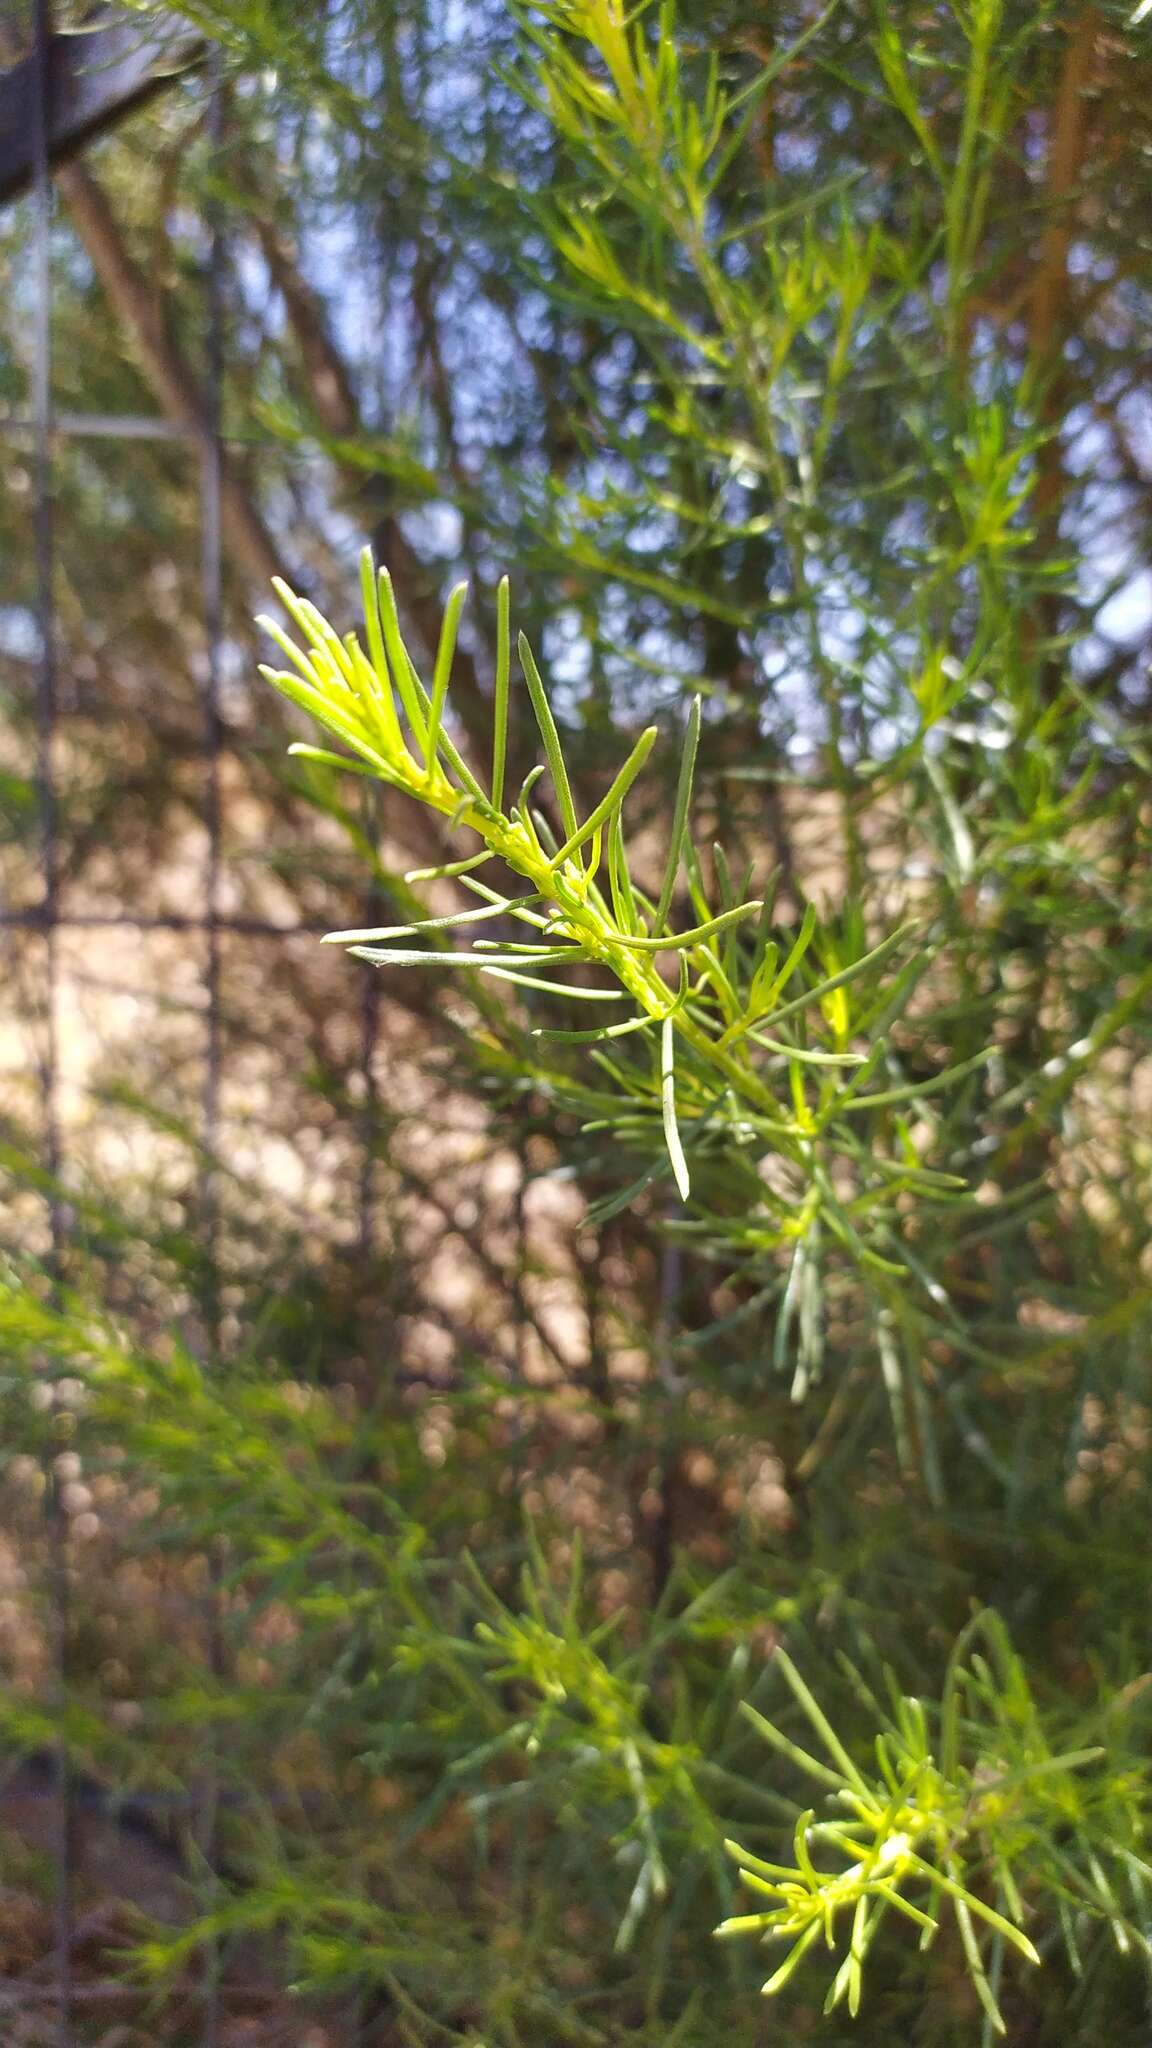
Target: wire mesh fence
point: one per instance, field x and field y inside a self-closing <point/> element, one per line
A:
<point x="152" y="938"/>
<point x="46" y="917"/>
<point x="303" y="1195"/>
<point x="155" y="920"/>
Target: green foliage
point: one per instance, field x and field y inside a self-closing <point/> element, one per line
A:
<point x="951" y="1819"/>
<point x="813" y="889"/>
<point x="954" y="1812"/>
<point x="586" y="909"/>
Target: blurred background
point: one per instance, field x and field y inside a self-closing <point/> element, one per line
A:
<point x="322" y="275"/>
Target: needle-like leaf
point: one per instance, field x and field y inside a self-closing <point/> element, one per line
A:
<point x="443" y="669"/>
<point x="428" y="924"/>
<point x="500" y="700"/>
<point x="679" y="814"/>
<point x="674" y="941"/>
<point x="550" y="736"/>
<point x="668" y="1106"/>
<point x="399" y="662"/>
<point x="612" y="801"/>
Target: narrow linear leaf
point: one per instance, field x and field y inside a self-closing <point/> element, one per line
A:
<point x="975" y="1962"/>
<point x="742" y="1923"/>
<point x="612" y="801"/>
<point x="593" y="1037"/>
<point x="619" y="881"/>
<point x="811" y="1764"/>
<point x="449" y="872"/>
<point x="343" y="723"/>
<point x="792" y="1962"/>
<point x="402" y="671"/>
<point x="747" y="1861"/>
<point x="896" y="1898"/>
<point x="425" y="924"/>
<point x="973" y="1904"/>
<point x="668" y="1106"/>
<point x="402" y="956"/>
<point x="371" y="599"/>
<point x="672" y="942"/>
<point x="304" y="752"/>
<point x="680" y="813"/>
<point x="553" y="988"/>
<point x="914" y="1089"/>
<point x="295" y="654"/>
<point x="494" y="896"/>
<point x="550" y="736"/>
<point x="445" y="651"/>
<point x="500" y="702"/>
<point x="445" y="745"/>
<point x="376" y="696"/>
<point x="315" y="629"/>
<point x="613" y="1205"/>
<point x="772" y="983"/>
<point x="846" y="974"/>
<point x="805" y="1055"/>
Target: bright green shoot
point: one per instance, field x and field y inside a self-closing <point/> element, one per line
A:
<point x="960" y="1797"/>
<point x="733" y="1041"/>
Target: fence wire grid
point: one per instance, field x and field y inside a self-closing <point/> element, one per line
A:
<point x="49" y="916"/>
<point x="30" y="37"/>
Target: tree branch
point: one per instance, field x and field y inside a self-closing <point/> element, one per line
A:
<point x="166" y="370"/>
<point x="1051" y="294"/>
<point x="334" y="401"/>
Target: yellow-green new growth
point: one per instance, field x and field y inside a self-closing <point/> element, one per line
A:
<point x="583" y="907"/>
<point x="962" y="1796"/>
<point x="360" y="696"/>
